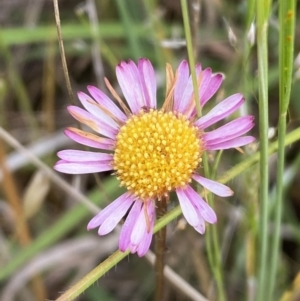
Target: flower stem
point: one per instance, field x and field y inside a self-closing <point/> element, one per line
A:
<point x="160" y="248"/>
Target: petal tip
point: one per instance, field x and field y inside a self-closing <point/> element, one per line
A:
<point x="90" y="226"/>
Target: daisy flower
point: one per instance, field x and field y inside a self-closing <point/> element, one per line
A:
<point x="153" y="151"/>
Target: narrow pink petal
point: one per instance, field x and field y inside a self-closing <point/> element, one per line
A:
<point x="187" y="207"/>
<point x="202" y="207"/>
<point x="145" y="243"/>
<point x="187" y="96"/>
<point x="147" y="238"/>
<point x="204" y="80"/>
<point x="106" y="102"/>
<point x="234" y="143"/>
<point x="134" y="248"/>
<point x="148" y="81"/>
<point x="92" y="122"/>
<point x="111" y="221"/>
<point x="91" y="106"/>
<point x="109" y="210"/>
<point x="82" y="168"/>
<point x="205" y="77"/>
<point x="207" y="212"/>
<point x="231" y="130"/>
<point x="215" y="187"/>
<point x="209" y="85"/>
<point x="182" y="80"/>
<point x="83" y="156"/>
<point x="89" y="139"/>
<point x="214" y="85"/>
<point x="139" y="229"/>
<point x="124" y="240"/>
<point x="201" y="226"/>
<point x="221" y="111"/>
<point x="129" y="81"/>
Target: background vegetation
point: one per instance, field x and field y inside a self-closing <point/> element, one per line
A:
<point x="44" y="245"/>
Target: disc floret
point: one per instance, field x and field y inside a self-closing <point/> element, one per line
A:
<point x="156" y="152"/>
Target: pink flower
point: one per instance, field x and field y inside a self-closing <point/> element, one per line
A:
<point x="153" y="151"/>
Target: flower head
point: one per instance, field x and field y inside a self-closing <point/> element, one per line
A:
<point x="153" y="151"/>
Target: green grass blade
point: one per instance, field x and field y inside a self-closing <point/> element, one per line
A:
<point x="262" y="14"/>
<point x="287" y="17"/>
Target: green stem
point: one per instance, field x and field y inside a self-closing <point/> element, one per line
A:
<point x="212" y="237"/>
<point x="262" y="13"/>
<point x="189" y="44"/>
<point x="218" y="272"/>
<point x="287" y="11"/>
<point x="216" y="164"/>
<point x="93" y="276"/>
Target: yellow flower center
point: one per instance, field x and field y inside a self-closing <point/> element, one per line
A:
<point x="156" y="152"/>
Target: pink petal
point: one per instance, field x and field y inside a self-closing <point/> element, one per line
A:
<point x="109" y="210"/>
<point x="91" y="106"/>
<point x="89" y="139"/>
<point x="214" y="85"/>
<point x="92" y="122"/>
<point x="215" y="187"/>
<point x="205" y="77"/>
<point x="187" y="207"/>
<point x="82" y="168"/>
<point x="106" y="102"/>
<point x="145" y="243"/>
<point x="201" y="226"/>
<point x="182" y="79"/>
<point x="147" y="238"/>
<point x="148" y="81"/>
<point x="83" y="156"/>
<point x="139" y="229"/>
<point x="185" y="103"/>
<point x="231" y="130"/>
<point x="221" y="111"/>
<point x="234" y="143"/>
<point x="129" y="81"/>
<point x="124" y="241"/>
<point x="111" y="221"/>
<point x="208" y="87"/>
<point x="202" y="207"/>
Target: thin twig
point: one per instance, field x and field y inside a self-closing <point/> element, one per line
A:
<point x="48" y="171"/>
<point x="62" y="51"/>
